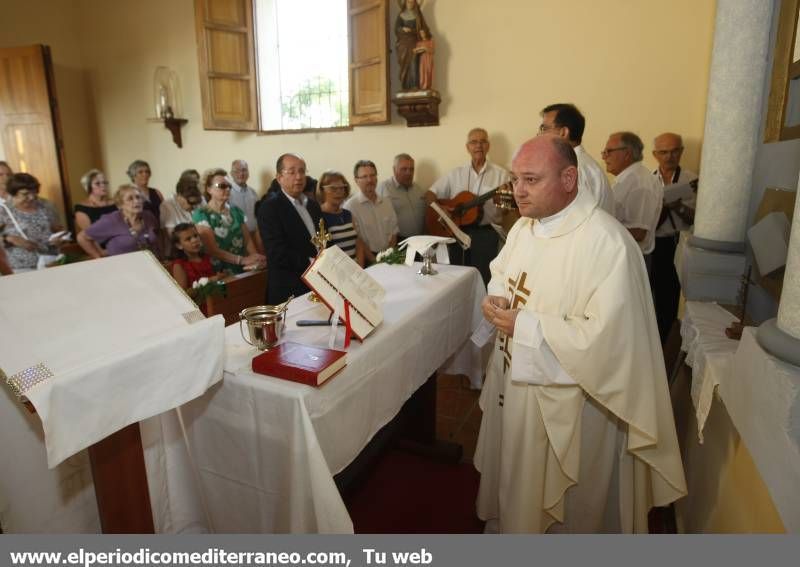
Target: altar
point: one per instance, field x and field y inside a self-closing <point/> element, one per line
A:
<point x="262" y="452"/>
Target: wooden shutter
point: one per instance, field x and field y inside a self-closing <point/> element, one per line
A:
<point x="226" y="54"/>
<point x="29" y="122"/>
<point x="369" y="61"/>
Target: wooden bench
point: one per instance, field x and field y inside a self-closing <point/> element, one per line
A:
<point x="242" y="290"/>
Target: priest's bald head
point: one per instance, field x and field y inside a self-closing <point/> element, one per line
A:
<point x="544" y="172"/>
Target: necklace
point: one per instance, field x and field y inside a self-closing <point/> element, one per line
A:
<point x="140" y="238"/>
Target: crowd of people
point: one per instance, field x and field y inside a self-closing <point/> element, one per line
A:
<point x="240" y="232"/>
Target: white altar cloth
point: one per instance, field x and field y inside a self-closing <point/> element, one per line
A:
<point x="708" y="352"/>
<point x="114" y="336"/>
<point x="267" y="449"/>
<point x="762" y="396"/>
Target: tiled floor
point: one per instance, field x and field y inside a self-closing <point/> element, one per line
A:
<point x="458" y="416"/>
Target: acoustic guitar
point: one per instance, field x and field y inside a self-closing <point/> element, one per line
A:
<point x="466" y="208"/>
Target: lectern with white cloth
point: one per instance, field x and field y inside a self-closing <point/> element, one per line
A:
<point x="96" y="347"/>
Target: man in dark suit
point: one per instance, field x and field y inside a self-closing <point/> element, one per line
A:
<point x="287" y="223"/>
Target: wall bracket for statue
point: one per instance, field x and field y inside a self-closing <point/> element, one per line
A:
<point x="419" y="108"/>
<point x="417" y="101"/>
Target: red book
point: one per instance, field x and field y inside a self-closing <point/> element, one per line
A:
<point x="300" y="363"/>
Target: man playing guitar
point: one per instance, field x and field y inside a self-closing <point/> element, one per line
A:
<point x="479" y="177"/>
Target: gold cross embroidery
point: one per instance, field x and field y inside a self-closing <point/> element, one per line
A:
<point x="519" y="297"/>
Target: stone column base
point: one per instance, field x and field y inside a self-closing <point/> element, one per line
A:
<point x="778" y="343"/>
<point x="710" y="271"/>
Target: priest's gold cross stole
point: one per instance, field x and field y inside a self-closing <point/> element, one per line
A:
<point x="519" y="295"/>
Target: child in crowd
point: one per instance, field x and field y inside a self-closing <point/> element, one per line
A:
<point x="191" y="262"/>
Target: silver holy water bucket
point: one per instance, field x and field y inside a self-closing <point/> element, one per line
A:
<point x="264" y="325"/>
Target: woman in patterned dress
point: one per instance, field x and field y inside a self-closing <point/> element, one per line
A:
<point x="27" y="223"/>
<point x="223" y="228"/>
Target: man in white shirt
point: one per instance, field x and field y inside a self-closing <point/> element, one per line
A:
<point x="408" y="199"/>
<point x="374" y="215"/>
<point x="245" y="197"/>
<point x="638" y="197"/>
<point x="566" y="121"/>
<point x="577" y="432"/>
<point x="478" y="176"/>
<point x="676" y="216"/>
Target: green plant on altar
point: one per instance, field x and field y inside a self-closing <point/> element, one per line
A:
<point x="391" y="256"/>
<point x="204" y="288"/>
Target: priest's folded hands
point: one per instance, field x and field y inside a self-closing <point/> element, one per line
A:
<point x="495" y="310"/>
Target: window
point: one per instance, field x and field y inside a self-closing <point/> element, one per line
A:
<point x="279" y="65"/>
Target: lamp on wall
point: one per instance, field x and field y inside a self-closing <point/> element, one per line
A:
<point x="166" y="98"/>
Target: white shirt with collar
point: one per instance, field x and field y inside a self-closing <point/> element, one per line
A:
<point x="245" y="198"/>
<point x="638" y="202"/>
<point x="592" y="179"/>
<point x="465" y="178"/>
<point x="376" y="221"/>
<point x="673" y="224"/>
<point x="300" y="206"/>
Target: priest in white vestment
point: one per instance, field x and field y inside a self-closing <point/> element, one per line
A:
<point x="577" y="432"/>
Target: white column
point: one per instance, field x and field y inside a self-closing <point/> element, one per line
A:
<point x="733" y="119"/>
<point x="711" y="261"/>
<point x="781" y="336"/>
<point x="789" y="309"/>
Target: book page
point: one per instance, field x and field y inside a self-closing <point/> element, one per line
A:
<point x="335" y="276"/>
<point x="462" y="237"/>
<point x="678" y="191"/>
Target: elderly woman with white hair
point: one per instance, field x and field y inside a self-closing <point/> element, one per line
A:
<point x="129" y="229"/>
<point x="98" y="200"/>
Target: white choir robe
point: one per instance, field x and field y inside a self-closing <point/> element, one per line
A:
<point x="594" y="451"/>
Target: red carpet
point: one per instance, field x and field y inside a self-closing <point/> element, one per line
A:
<point x="406" y="493"/>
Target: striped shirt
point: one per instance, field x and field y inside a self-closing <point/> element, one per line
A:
<point x="343" y="232"/>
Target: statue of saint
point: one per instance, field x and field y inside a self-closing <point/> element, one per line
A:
<point x="425" y="49"/>
<point x="410" y="22"/>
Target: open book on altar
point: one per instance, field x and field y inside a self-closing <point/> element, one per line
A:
<point x="461" y="237"/>
<point x="96" y="346"/>
<point x="346" y="289"/>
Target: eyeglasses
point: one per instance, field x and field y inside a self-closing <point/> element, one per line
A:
<point x="672" y="152"/>
<point x="222" y="185"/>
<point x="193" y="202"/>
<point x="478" y="142"/>
<point x="336" y="188"/>
<point x="293" y="172"/>
<point x="103" y="183"/>
<point x="367" y="176"/>
<point x="607" y="151"/>
<point x="546" y="128"/>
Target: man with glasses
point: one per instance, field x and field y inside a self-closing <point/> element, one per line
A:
<point x="478" y="176"/>
<point x="179" y="209"/>
<point x="638" y="197"/>
<point x="374" y="215"/>
<point x="287" y="222"/>
<point x="577" y="434"/>
<point x="675" y="217"/>
<point x="408" y="199"/>
<point x="566" y="121"/>
<point x="245" y="197"/>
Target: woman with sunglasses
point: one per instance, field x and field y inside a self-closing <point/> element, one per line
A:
<point x="223" y="227"/>
<point x="98" y="201"/>
<point x="333" y="190"/>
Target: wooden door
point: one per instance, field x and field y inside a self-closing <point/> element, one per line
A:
<point x="29" y="124"/>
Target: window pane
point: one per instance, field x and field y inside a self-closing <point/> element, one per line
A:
<point x="302" y="63"/>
